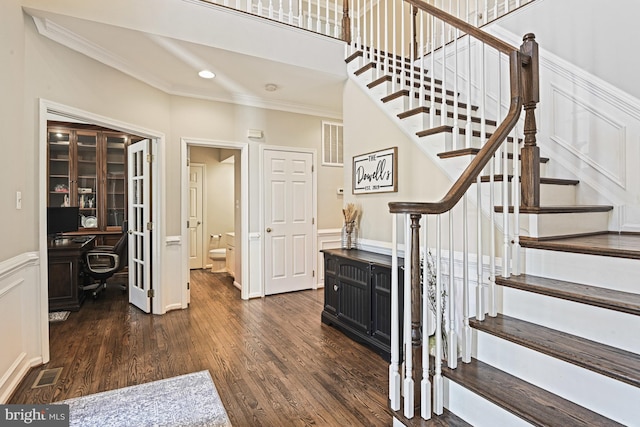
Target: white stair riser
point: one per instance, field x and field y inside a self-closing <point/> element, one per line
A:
<point x="563" y="224"/>
<point x="397" y="105"/>
<point x="550" y="194"/>
<point x="476" y="410"/>
<point x="381" y="90"/>
<point x="609" y="272"/>
<point x="605" y="326"/>
<point x="613" y="399"/>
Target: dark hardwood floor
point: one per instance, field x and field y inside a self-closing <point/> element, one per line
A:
<point x="272" y="360"/>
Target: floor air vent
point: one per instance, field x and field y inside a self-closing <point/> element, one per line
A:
<point x="47" y="377"/>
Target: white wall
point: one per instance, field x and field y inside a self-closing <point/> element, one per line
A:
<point x="591" y="34"/>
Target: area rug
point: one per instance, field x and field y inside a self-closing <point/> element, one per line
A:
<point x="187" y="400"/>
<point x="58" y="316"/>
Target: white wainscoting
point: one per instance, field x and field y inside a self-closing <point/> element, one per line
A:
<point x="21" y="320"/>
<point x="329" y="238"/>
<point x="590" y="130"/>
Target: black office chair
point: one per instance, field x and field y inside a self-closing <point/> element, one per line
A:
<point x="102" y="262"/>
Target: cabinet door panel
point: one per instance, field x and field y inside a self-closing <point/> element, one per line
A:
<point x="354" y="301"/>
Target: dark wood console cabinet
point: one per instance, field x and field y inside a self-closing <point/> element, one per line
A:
<point x="357" y="296"/>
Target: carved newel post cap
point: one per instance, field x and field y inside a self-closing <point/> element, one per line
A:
<point x="528" y="37"/>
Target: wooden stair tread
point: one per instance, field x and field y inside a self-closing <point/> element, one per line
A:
<point x="533" y="404"/>
<point x="426" y="109"/>
<point x="543" y="180"/>
<point x="405" y="92"/>
<point x="625" y="302"/>
<point x="621" y="365"/>
<point x="387" y="78"/>
<point x="558" y="209"/>
<point x="474" y="151"/>
<point x="461" y="131"/>
<point x="605" y="244"/>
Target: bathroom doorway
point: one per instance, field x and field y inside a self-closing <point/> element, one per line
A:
<point x="215" y="210"/>
<point x="212" y="212"/>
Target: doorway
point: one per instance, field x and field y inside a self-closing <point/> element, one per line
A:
<point x="222" y="207"/>
<point x="212" y="208"/>
<point x="53" y="111"/>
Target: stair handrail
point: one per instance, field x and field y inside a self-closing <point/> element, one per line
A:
<point x="524" y="90"/>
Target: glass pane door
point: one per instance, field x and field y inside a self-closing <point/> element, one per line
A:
<point x="87" y="197"/>
<point x="59" y="171"/>
<point x="116" y="180"/>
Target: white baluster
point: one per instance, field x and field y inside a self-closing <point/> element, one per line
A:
<point x="468" y="128"/>
<point x="385" y="60"/>
<point x="394" y="372"/>
<point x="409" y="397"/>
<point x="466" y="329"/>
<point x="486" y="11"/>
<point x="281" y="12"/>
<point x="506" y="265"/>
<point x="516" y="185"/>
<point x="432" y="89"/>
<point x="393" y="54"/>
<point x="421" y="52"/>
<point x="438" y="382"/>
<point x="402" y="43"/>
<point x="359" y="27"/>
<point x="425" y="384"/>
<point x="495" y="12"/>
<point x="483" y="132"/>
<point x="452" y="338"/>
<point x="260" y="7"/>
<point x="300" y="16"/>
<point x="271" y="9"/>
<point x="309" y="19"/>
<point x="290" y="12"/>
<point x="456" y="98"/>
<point x="443" y="113"/>
<point x="380" y="68"/>
<point x="476" y="13"/>
<point x="336" y="29"/>
<point x="327" y="27"/>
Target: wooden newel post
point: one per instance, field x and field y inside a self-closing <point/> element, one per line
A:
<point x="416" y="312"/>
<point x="346" y="22"/>
<point x="530" y="153"/>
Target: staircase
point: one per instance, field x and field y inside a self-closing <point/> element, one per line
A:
<point x="554" y="338"/>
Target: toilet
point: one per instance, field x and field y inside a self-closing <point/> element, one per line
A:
<point x="217" y="254"/>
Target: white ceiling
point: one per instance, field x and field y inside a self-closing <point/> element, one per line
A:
<point x="171" y="64"/>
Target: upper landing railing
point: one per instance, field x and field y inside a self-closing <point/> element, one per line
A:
<point x="340" y="18"/>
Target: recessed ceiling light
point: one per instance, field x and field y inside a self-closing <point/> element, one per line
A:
<point x="206" y="74"/>
<point x="270" y="87"/>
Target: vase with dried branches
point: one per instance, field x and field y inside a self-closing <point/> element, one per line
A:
<point x="350" y="229"/>
<point x="430" y="270"/>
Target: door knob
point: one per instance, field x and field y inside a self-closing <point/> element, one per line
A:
<point x="268" y="230"/>
<point x="199" y="223"/>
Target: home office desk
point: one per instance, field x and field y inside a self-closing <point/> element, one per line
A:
<point x="65" y="265"/>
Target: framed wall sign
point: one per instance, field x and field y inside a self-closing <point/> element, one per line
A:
<point x="376" y="172"/>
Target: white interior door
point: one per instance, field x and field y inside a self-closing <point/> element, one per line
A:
<point x="139" y="225"/>
<point x="196" y="212"/>
<point x="288" y="257"/>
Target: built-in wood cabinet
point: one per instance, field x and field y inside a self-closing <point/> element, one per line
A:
<point x="357" y="296"/>
<point x="87" y="167"/>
